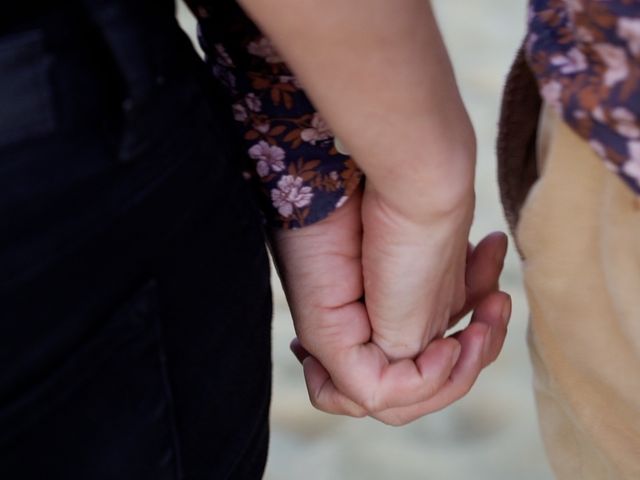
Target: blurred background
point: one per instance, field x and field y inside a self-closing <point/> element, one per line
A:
<point x="492" y="433"/>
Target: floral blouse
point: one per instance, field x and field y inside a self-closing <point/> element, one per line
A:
<point x="584" y="53"/>
<point x="586" y="57"/>
<point x="300" y="175"/>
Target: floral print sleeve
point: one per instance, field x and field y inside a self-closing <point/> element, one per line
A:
<point x="586" y="57"/>
<point x="291" y="156"/>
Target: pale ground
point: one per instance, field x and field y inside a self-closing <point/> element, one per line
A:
<point x="492" y="433"/>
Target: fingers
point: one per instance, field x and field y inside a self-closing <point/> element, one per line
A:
<point x="481" y="342"/>
<point x="361" y="381"/>
<point x="365" y="379"/>
<point x="364" y="374"/>
<point x="461" y="381"/>
<point x="399" y="384"/>
<point x="395" y="402"/>
<point x="484" y="266"/>
<point x="298" y="350"/>
<point x="413" y="274"/>
<point x="344" y="369"/>
<point x="487" y="313"/>
<point x="324" y="395"/>
<point x="407" y="381"/>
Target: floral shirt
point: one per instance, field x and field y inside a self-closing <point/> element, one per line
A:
<point x="586" y="57"/>
<point x="584" y="53"/>
<point x="292" y="158"/>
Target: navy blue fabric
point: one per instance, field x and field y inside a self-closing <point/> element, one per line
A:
<point x="134" y="284"/>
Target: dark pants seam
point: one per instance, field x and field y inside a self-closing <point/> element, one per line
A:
<point x="171" y="414"/>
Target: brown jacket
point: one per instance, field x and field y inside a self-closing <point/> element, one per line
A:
<point x="516" y="146"/>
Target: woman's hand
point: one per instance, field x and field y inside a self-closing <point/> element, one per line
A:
<point x="413" y="269"/>
<point x="379" y="73"/>
<point x="348" y="373"/>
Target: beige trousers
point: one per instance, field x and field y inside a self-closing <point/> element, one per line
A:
<point x="579" y="232"/>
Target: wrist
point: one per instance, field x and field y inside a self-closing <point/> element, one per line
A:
<point x="440" y="191"/>
<point x="426" y="168"/>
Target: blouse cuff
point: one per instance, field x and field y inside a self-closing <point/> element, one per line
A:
<point x="292" y="160"/>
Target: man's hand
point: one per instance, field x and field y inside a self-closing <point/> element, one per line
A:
<point x="347" y="373"/>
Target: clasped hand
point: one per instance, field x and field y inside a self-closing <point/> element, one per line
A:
<point x="372" y="295"/>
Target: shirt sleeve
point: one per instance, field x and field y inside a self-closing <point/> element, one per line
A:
<point x="291" y="155"/>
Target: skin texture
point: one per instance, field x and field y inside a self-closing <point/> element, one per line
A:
<point x="346" y="372"/>
<point x="379" y="74"/>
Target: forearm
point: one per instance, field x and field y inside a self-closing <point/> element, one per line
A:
<point x="379" y="73"/>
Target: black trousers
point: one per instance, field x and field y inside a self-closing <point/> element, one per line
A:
<point x="134" y="285"/>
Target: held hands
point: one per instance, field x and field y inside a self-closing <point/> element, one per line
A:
<point x="383" y="354"/>
<point x="381" y="77"/>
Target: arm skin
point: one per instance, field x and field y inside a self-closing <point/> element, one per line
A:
<point x="379" y="73"/>
<point x="320" y="266"/>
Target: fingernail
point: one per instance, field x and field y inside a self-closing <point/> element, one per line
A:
<point x="506" y="310"/>
<point x="486" y="347"/>
<point x="455" y="355"/>
<point x="499" y="256"/>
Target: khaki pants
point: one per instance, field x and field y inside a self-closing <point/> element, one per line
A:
<point x="579" y="232"/>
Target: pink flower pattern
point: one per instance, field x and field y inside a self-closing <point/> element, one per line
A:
<point x="317" y="132"/>
<point x="262" y="47"/>
<point x="292" y="160"/>
<point x="268" y="157"/>
<point x="291" y="194"/>
<point x="585" y="54"/>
